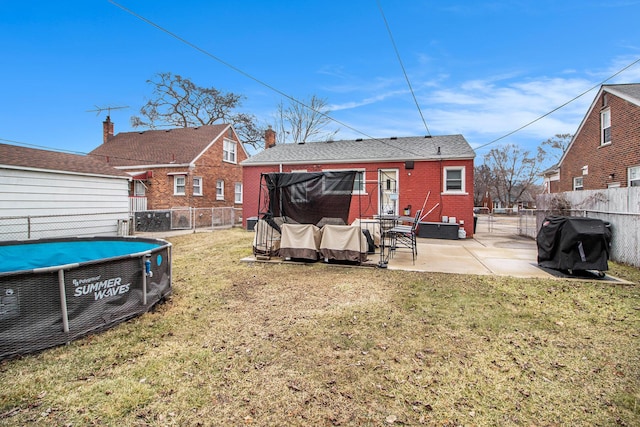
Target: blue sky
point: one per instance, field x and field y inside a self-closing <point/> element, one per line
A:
<point x="479" y="68"/>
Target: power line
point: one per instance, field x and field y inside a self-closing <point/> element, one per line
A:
<point x="249" y="76"/>
<point x="561" y="106"/>
<point x="192" y="45"/>
<point x="234" y="68"/>
<point x="395" y="48"/>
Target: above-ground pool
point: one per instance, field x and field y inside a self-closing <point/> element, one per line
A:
<point x="56" y="290"/>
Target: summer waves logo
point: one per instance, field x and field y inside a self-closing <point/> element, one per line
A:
<point x="100" y="288"/>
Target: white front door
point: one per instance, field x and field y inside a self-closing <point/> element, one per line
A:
<point x="389" y="191"/>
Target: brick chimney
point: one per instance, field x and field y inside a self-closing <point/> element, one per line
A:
<point x="269" y="138"/>
<point x="107" y="130"/>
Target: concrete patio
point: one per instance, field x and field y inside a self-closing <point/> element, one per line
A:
<point x="495" y="249"/>
<point x="490" y="253"/>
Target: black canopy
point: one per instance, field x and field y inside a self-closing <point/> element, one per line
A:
<point x="308" y="197"/>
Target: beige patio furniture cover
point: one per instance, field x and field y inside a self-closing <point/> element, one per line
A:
<point x="343" y="243"/>
<point x="300" y="241"/>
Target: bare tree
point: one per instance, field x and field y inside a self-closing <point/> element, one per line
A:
<point x="303" y="121"/>
<point x="556" y="146"/>
<point x="181" y="103"/>
<point x="483" y="183"/>
<point x="515" y="170"/>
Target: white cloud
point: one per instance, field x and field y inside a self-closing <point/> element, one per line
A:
<point x="367" y="101"/>
<point x="483" y="110"/>
<point x="518" y="102"/>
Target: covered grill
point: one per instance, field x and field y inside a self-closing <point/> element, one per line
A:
<point x="574" y="244"/>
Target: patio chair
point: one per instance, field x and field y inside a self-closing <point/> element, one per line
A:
<point x="404" y="236"/>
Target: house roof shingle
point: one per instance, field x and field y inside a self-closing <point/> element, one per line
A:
<point x="159" y="147"/>
<point x="630" y="92"/>
<point x="31" y="158"/>
<point x="366" y="150"/>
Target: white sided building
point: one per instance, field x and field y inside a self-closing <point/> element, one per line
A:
<point x="46" y="194"/>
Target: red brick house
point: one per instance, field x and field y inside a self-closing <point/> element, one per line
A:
<point x="406" y="171"/>
<point x="605" y="150"/>
<point x="182" y="167"/>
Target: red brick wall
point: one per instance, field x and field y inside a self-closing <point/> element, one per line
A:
<point x="614" y="158"/>
<point x="251" y="190"/>
<point x="210" y="167"/>
<point x="414" y="184"/>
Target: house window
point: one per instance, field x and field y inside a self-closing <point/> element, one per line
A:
<point x="237" y="198"/>
<point x="454" y="180"/>
<point x="229" y="151"/>
<point x="605" y="126"/>
<point x="335" y="185"/>
<point x="578" y="183"/>
<point x="219" y="189"/>
<point x="179" y="185"/>
<point x="358" y="183"/>
<point x="634" y="176"/>
<point x="139" y="188"/>
<point x="197" y="186"/>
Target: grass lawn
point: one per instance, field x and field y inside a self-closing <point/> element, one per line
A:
<point x="317" y="345"/>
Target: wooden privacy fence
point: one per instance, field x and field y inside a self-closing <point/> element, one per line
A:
<point x="618" y="206"/>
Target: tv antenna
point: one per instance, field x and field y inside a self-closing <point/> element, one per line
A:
<point x="99" y="110"/>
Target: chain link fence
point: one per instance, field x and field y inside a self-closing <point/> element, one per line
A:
<point x="117" y="223"/>
<point x="528" y="223"/>
<point x="186" y="218"/>
<point x="76" y="225"/>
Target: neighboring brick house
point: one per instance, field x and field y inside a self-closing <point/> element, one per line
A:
<point x="605" y="150"/>
<point x="181" y="167"/>
<point x="406" y="170"/>
<point x="551" y="178"/>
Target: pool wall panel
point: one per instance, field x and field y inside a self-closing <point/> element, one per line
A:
<point x="98" y="296"/>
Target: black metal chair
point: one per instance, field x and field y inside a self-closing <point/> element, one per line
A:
<point x="404" y="236"/>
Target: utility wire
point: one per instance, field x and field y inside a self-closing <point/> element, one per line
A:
<point x="319" y="112"/>
<point x="404" y="71"/>
<point x="561" y="106"/>
<point x="234" y="68"/>
<point x="238" y="70"/>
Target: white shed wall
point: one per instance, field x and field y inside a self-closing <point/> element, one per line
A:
<point x="38" y="204"/>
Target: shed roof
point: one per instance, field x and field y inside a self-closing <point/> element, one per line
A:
<point x="16" y="157"/>
<point x="366" y="150"/>
<point x="159" y="147"/>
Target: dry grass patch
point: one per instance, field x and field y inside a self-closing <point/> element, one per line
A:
<point x="270" y="344"/>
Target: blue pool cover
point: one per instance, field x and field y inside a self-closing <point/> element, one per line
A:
<point x="47" y="254"/>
